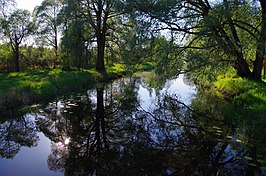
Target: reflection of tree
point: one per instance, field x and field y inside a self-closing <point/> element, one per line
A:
<point x="199" y="144"/>
<point x="114" y="136"/>
<point x="93" y="128"/>
<point x="16" y="133"/>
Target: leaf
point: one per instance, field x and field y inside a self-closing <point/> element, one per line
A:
<point x="261" y="161"/>
<point x="252" y="164"/>
<point x="248" y="158"/>
<point x="237" y="157"/>
<point x="239" y="141"/>
<point x="219" y="131"/>
<point x="217" y="128"/>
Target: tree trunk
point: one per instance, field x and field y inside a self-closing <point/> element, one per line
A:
<point x="242" y="68"/>
<point x="56" y="49"/>
<point x="16" y="51"/>
<point x="99" y="123"/>
<point x="260" y="52"/>
<point x="235" y="47"/>
<point x="100" y="53"/>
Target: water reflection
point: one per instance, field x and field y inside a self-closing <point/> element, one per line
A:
<point x="114" y="130"/>
<point x="16" y="133"/>
<point x="110" y="133"/>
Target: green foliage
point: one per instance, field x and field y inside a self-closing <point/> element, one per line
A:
<point x="204" y="73"/>
<point x="30" y="58"/>
<point x="37" y="58"/>
<point x="116" y="68"/>
<point x="5" y="57"/>
<point x="74" y="50"/>
<point x="147" y="66"/>
<point x="170" y="61"/>
<point x="16" y="27"/>
<point x="47" y="17"/>
<point x="33" y="86"/>
<point x="245" y="93"/>
<point x="135" y="46"/>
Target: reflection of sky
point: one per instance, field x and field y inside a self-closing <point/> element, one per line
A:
<point x="33" y="161"/>
<point x="29" y="161"/>
<point x="148" y="100"/>
<point x="176" y="86"/>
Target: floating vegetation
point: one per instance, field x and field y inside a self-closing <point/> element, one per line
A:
<point x="248" y="158"/>
<point x="217" y="128"/>
<point x="239" y="141"/>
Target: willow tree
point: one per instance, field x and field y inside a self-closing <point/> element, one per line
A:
<point x="221" y="23"/>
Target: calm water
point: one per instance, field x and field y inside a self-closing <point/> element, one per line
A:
<point x="123" y="128"/>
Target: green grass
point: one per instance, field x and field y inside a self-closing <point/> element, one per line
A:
<point x="246" y="107"/>
<point x="116" y="70"/>
<point x="34" y="86"/>
<point x="243" y="92"/>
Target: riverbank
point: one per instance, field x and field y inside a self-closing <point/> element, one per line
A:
<point x="241" y="104"/>
<point x="18" y="89"/>
<point x="246" y="110"/>
<point x="244" y="95"/>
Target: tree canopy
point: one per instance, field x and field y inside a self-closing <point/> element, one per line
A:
<point x="219" y="26"/>
<point x="97" y="32"/>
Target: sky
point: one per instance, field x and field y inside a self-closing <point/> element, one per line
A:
<point x="28" y="4"/>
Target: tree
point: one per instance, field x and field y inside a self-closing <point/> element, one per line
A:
<point x="218" y="23"/>
<point x="47" y="17"/>
<point x="16" y="27"/>
<point x="98" y="14"/>
<point x="73" y="46"/>
<point x="5" y="7"/>
<point x="77" y="36"/>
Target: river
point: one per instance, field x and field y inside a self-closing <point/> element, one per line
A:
<point x="125" y="128"/>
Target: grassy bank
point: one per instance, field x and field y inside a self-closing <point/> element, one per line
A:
<point x="35" y="86"/>
<point x="244" y="94"/>
<point x="246" y="107"/>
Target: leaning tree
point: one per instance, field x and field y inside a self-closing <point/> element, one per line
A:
<point x="224" y="25"/>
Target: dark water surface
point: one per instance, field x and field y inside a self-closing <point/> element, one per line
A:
<point x="123" y="128"/>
